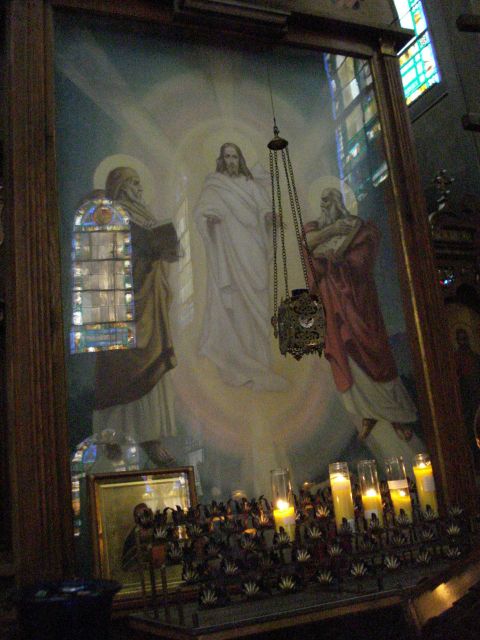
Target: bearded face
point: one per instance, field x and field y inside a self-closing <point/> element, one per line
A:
<point x="232" y="161"/>
<point x="332" y="207"/>
<point x="132" y="189"/>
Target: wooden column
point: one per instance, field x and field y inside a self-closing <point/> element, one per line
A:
<point x="41" y="494"/>
<point x="440" y="405"/>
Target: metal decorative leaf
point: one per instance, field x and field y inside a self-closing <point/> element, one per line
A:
<point x="392" y="562"/>
<point x="358" y="570"/>
<point x="287" y="583"/>
<point x="325" y="577"/>
<point x="453" y="530"/>
<point x="208" y="598"/>
<point x="303" y="555"/>
<point x="251" y="589"/>
<point x="334" y="551"/>
<point x="424" y="557"/>
<point x="314" y="533"/>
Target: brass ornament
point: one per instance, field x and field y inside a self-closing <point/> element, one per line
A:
<point x="299" y="319"/>
<point x="300" y="324"/>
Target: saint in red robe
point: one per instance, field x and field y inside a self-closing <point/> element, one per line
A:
<point x="355" y="325"/>
<point x="343" y="250"/>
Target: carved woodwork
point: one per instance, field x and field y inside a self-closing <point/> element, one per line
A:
<point x="42" y="527"/>
<point x="239" y="16"/>
<point x="456" y="243"/>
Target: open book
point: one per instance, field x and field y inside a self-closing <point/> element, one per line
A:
<point x="339" y="243"/>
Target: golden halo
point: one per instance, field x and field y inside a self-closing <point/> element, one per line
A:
<point x="122" y="160"/>
<point x="331" y="182"/>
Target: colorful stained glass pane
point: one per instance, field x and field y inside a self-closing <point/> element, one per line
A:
<point x="380" y="174"/>
<point x="350" y="92"/>
<point x="100" y="214"/>
<point x="418" y="67"/>
<point x="369" y="107"/>
<point x="419" y="21"/>
<point x="360" y="153"/>
<point x="354" y="121"/>
<point x="364" y="74"/>
<point x="102" y="286"/>
<point x="346" y="72"/>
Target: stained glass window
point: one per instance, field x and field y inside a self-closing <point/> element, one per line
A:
<point x="102" y="292"/>
<point x="418" y="67"/>
<point x="360" y="155"/>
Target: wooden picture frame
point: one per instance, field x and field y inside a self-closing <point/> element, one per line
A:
<point x="37" y="398"/>
<point x="112" y="499"/>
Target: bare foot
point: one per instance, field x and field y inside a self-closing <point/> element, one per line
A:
<point x="367" y="426"/>
<point x="403" y="431"/>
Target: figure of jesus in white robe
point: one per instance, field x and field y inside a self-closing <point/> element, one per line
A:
<point x="233" y="217"/>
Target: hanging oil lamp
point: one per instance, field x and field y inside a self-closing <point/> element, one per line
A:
<point x="299" y="319"/>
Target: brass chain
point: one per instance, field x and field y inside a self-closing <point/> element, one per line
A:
<point x="274" y="234"/>
<point x="293" y="205"/>
<point x="302" y="228"/>
<point x="282" y="225"/>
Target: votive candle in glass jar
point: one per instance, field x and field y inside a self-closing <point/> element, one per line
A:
<point x="341" y="494"/>
<point x="427" y="495"/>
<point x="283" y="502"/>
<point x="398" y="487"/>
<point x="370" y="490"/>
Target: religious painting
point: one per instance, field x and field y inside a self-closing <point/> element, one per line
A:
<point x="464" y="325"/>
<point x="180" y="362"/>
<point x="114" y="497"/>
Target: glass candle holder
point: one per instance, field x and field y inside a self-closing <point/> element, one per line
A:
<point x="427" y="495"/>
<point x="370" y="490"/>
<point x="398" y="487"/>
<point x="341" y="494"/>
<point x="283" y="503"/>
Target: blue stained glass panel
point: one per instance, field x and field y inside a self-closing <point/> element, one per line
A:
<point x="359" y="150"/>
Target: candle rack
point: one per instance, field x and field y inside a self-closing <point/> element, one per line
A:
<point x="230" y="555"/>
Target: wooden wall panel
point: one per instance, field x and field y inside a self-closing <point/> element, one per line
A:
<point x="5" y="536"/>
<point x="42" y="529"/>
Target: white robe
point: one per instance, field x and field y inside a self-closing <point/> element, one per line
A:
<point x="236" y="322"/>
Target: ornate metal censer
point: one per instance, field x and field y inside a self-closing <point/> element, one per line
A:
<point x="299" y="320"/>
